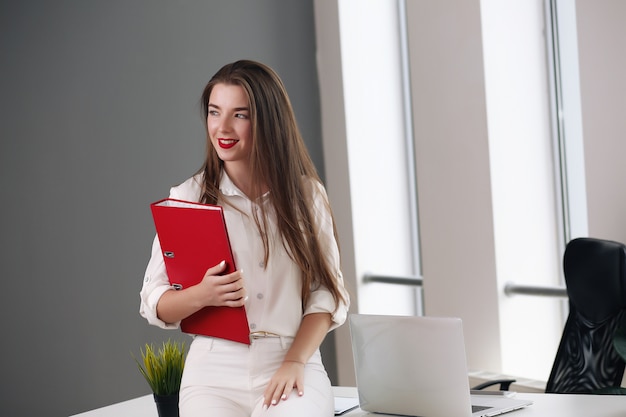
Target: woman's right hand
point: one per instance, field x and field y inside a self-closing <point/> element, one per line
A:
<point x="214" y="290"/>
<point x="221" y="290"/>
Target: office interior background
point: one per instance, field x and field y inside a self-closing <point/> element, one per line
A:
<point x="100" y="117"/>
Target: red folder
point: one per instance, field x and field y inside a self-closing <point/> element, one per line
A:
<point x="193" y="238"/>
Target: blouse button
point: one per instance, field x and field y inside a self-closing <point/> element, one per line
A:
<point x="252" y="326"/>
<point x="261" y="264"/>
<point x="259" y="296"/>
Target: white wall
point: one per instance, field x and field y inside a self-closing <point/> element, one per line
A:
<point x="453" y="176"/>
<point x="602" y="54"/>
<point x="330" y="72"/>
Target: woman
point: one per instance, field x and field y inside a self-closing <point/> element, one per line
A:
<point x="283" y="238"/>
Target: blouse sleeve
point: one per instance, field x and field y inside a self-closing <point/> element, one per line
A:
<point x="155" y="280"/>
<point x="155" y="283"/>
<point x="321" y="299"/>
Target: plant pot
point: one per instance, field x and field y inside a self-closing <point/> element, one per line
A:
<point x="167" y="405"/>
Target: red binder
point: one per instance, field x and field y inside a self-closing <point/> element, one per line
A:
<point x="193" y="238"/>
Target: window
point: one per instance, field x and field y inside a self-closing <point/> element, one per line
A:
<point x="488" y="175"/>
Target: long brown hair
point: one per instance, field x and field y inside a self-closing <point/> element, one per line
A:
<point x="280" y="161"/>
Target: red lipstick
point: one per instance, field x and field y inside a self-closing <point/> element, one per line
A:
<point x="227" y="143"/>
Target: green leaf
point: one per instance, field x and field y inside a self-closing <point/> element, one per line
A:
<point x="162" y="368"/>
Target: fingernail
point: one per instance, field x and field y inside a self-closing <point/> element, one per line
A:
<point x="300" y="393"/>
<point x="273" y="402"/>
<point x="284" y="397"/>
<point x="264" y="407"/>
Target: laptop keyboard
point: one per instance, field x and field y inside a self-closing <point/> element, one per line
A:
<point x="476" y="408"/>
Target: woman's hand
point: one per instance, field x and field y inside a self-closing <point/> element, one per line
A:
<point x="221" y="290"/>
<point x="213" y="290"/>
<point x="288" y="377"/>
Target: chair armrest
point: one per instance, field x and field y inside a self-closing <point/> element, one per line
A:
<point x="504" y="384"/>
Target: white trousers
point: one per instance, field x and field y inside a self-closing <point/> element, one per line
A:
<point x="227" y="379"/>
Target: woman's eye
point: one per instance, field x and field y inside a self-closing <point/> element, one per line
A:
<point x="212" y="112"/>
<point x="241" y="116"/>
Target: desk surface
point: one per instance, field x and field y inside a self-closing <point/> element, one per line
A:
<point x="544" y="405"/>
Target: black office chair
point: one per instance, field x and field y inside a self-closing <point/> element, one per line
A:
<point x="586" y="361"/>
<point x="595" y="276"/>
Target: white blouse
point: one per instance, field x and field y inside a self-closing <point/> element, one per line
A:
<point x="274" y="291"/>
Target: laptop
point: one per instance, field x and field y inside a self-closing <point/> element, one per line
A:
<point x="416" y="366"/>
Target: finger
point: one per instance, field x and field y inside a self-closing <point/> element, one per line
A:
<point x="234" y="286"/>
<point x="214" y="270"/>
<point x="299" y="386"/>
<point x="236" y="299"/>
<point x="268" y="396"/>
<point x="287" y="389"/>
<point x="225" y="284"/>
<point x="232" y="278"/>
<point x="235" y="303"/>
<point x="240" y="294"/>
<point x="231" y="290"/>
<point x="277" y="393"/>
<point x="286" y="392"/>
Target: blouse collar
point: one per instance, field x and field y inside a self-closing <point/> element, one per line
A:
<point x="229" y="189"/>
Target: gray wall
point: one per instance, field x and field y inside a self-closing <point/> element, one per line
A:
<point x="99" y="117"/>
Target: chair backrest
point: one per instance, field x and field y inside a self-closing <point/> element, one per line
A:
<point x="595" y="276"/>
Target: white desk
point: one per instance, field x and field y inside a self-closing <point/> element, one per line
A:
<point x="545" y="405"/>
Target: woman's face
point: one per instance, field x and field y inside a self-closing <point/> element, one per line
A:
<point x="228" y="123"/>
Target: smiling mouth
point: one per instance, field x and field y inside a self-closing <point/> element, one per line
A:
<point x="227" y="143"/>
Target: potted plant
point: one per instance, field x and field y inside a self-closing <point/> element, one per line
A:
<point x="163" y="368"/>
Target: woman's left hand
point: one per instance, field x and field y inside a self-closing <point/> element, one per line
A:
<point x="289" y="376"/>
